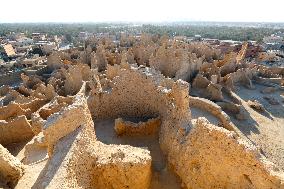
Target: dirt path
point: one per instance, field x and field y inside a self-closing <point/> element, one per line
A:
<point x="264" y="129"/>
<point x="196" y="113"/>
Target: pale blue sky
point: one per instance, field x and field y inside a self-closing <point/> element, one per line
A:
<point x="143" y="10"/>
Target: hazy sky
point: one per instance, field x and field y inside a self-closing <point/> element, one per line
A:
<point x="143" y="10"/>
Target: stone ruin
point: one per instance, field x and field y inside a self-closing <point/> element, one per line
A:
<point x="62" y="120"/>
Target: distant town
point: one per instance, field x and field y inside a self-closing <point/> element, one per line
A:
<point x="28" y="52"/>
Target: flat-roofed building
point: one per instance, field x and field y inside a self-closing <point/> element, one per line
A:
<point x="9" y="50"/>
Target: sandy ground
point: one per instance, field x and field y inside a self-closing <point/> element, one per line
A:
<point x="31" y="175"/>
<point x="17" y="149"/>
<point x="196" y="113"/>
<point x="266" y="130"/>
<point x="33" y="164"/>
<point x="162" y="178"/>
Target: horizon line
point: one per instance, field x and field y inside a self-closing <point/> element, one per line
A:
<point x="140" y="22"/>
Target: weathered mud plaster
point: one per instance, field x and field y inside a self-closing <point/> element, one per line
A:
<point x="54" y="61"/>
<point x="242" y="76"/>
<point x="213" y="157"/>
<point x="270" y="72"/>
<point x="65" y="121"/>
<point x="231" y="107"/>
<point x="36" y="150"/>
<point x="15" y="130"/>
<point x="12" y="110"/>
<point x="214" y="109"/>
<point x="256" y="105"/>
<point x="200" y="82"/>
<point x="11" y="169"/>
<point x="55" y="105"/>
<point x="80" y="161"/>
<point x="99" y="59"/>
<point x="177" y="132"/>
<point x="41" y="91"/>
<point x="210" y="90"/>
<point x="201" y="154"/>
<point x="156" y="95"/>
<point x="214" y="92"/>
<point x="123" y="127"/>
<point x="31" y="81"/>
<point x="4" y="90"/>
<point x="277" y="80"/>
<point x="122" y="167"/>
<point x="74" y="80"/>
<point x="16" y="104"/>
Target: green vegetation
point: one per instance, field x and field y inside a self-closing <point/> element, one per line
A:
<point x="237" y="33"/>
<point x="216" y="32"/>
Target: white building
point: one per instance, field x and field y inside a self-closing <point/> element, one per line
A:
<point x="273" y="39"/>
<point x="21" y="42"/>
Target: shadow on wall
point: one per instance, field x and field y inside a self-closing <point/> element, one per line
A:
<point x="55" y="162"/>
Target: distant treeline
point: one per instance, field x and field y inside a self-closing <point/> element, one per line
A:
<point x="211" y="31"/>
<point x="216" y="32"/>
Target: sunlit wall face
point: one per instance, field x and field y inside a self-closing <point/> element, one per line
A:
<point x="143" y="10"/>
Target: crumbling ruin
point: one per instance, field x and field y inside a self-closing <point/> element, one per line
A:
<point x="133" y="118"/>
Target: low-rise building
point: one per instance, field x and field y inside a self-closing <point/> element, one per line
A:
<point x="273" y="39"/>
<point x="48" y="47"/>
<point x="38" y="37"/>
<point x="9" y="50"/>
<point x="24" y="42"/>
